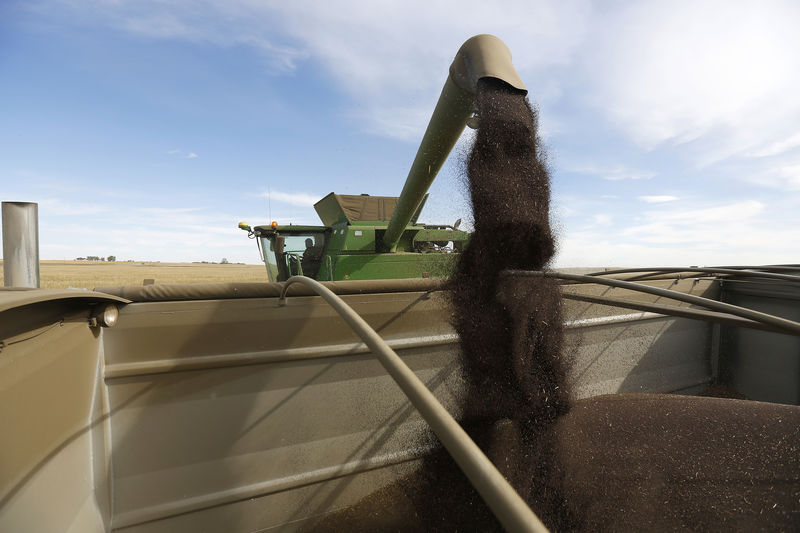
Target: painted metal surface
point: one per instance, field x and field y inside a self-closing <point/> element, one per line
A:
<point x="509" y="508"/>
<point x="52" y="414"/>
<point x="269" y="430"/>
<point x="12" y="299"/>
<point x="614" y="350"/>
<point x="233" y="413"/>
<point x="238" y="414"/>
<point x="267" y="406"/>
<point x="20" y="244"/>
<point x="352" y="251"/>
<point x="763" y="365"/>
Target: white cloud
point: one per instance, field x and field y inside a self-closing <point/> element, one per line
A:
<point x="366" y="54"/>
<point x="600" y="251"/>
<point x="789" y="177"/>
<point x="615" y="173"/>
<point x="381" y="64"/>
<point x="59" y="207"/>
<point x="732" y="233"/>
<point x="602" y="219"/>
<point x="181" y="233"/>
<point x="709" y="79"/>
<point x="300" y="199"/>
<point x="380" y="54"/>
<point x="394" y="121"/>
<point x="784" y="177"/>
<point x="722" y="225"/>
<point x="227" y="24"/>
<point x="717" y="71"/>
<point x="777" y="148"/>
<point x="657" y="199"/>
<point x="181" y="153"/>
<point x="738" y="212"/>
<point x="562" y="211"/>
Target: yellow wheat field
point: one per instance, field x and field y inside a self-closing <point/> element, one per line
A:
<point x="91" y="274"/>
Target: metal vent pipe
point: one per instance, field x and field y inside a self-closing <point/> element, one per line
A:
<point x="21" y="244"/>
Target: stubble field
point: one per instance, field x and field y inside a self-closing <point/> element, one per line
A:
<point x="91" y="274"/>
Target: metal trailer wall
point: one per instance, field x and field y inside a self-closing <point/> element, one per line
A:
<point x="615" y="350"/>
<point x="238" y="414"/>
<point x="53" y="473"/>
<point x="761" y="365"/>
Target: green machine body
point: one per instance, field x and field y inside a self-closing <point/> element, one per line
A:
<point x="378" y="237"/>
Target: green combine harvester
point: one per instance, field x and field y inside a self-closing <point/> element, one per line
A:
<point x="377" y="237"/>
<point x="352" y="243"/>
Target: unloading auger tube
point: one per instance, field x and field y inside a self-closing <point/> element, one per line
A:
<point x="482" y="56"/>
<point x="509" y="508"/>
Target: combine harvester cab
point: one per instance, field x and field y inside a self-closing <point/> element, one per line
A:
<point x="246" y="407"/>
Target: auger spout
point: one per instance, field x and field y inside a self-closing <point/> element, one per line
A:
<point x="479" y="57"/>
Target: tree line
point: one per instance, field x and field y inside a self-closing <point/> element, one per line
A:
<point x="112" y="258"/>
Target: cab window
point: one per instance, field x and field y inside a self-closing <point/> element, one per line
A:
<point x="301" y="254"/>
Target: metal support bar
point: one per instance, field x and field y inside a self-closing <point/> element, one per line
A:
<point x="509" y="508"/>
<point x="789" y="327"/>
<point x="671" y="310"/>
<point x="656" y="271"/>
<point x="21" y="244"/>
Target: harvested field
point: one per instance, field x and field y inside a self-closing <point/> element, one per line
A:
<point x="90" y="274"/>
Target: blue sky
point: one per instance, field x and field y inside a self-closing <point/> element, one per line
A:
<point x="148" y="129"/>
